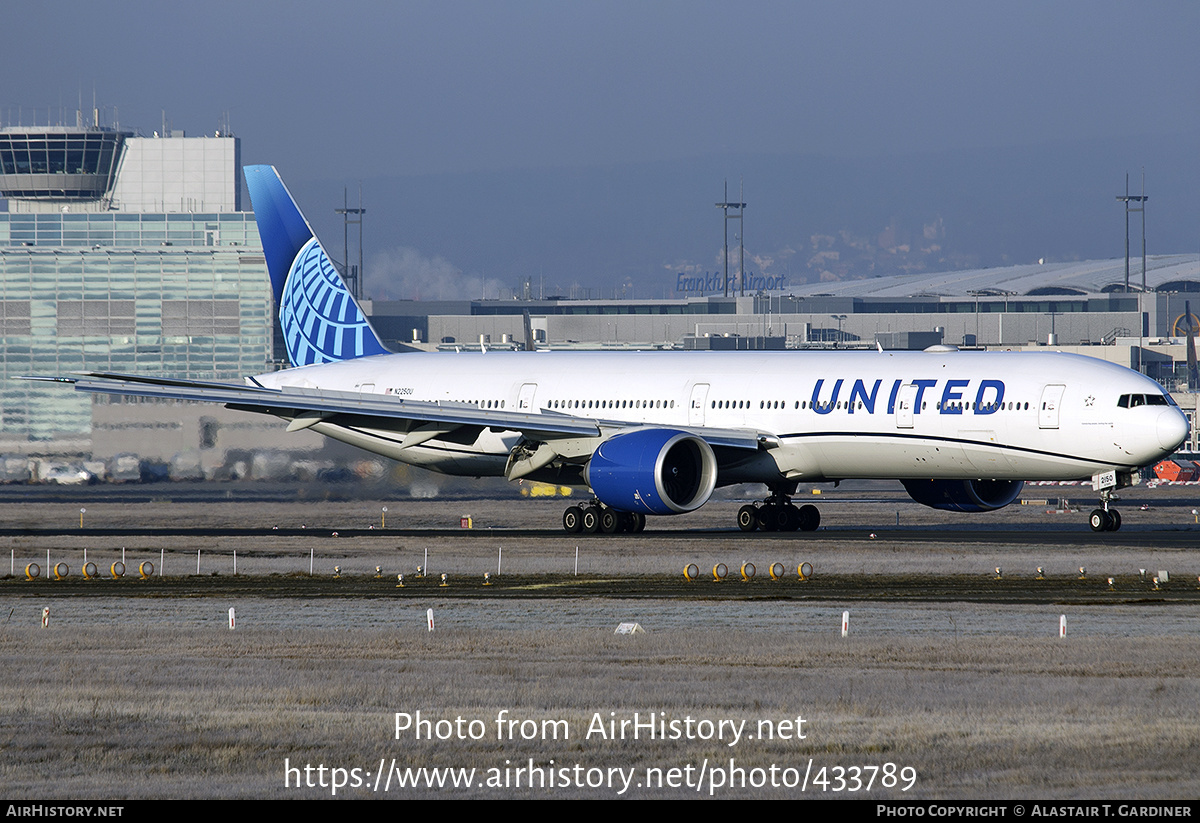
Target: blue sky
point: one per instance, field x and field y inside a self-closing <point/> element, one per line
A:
<point x="334" y="94"/>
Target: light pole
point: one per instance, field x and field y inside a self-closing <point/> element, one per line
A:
<point x="1141" y="207"/>
<point x="1140" y="199"/>
<point x="353" y="273"/>
<point x="839" y="318"/>
<point x="726" y="206"/>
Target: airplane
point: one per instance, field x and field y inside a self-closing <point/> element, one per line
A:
<point x="653" y="433"/>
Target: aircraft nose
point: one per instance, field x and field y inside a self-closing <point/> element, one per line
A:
<point x="1172" y="429"/>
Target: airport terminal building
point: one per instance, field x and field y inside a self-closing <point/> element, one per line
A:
<point x="121" y="253"/>
<point x="1139" y="320"/>
<point x="1082" y="306"/>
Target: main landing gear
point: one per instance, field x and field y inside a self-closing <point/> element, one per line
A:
<point x="779" y="513"/>
<point x="775" y="514"/>
<point x="595" y="518"/>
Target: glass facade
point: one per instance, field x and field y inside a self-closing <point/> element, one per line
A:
<point x="129" y="230"/>
<point x="182" y="295"/>
<point x="58" y="163"/>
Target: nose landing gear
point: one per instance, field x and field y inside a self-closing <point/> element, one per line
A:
<point x="1102" y="520"/>
<point x="1106" y="518"/>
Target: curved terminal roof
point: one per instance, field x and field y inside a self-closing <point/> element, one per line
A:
<point x="1170" y="272"/>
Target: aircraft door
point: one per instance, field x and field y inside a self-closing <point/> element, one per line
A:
<point x="525" y="398"/>
<point x="699" y="401"/>
<point x="1048" y="411"/>
<point x="905" y="401"/>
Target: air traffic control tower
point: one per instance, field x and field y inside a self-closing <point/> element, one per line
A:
<point x="120" y="252"/>
<point x="44" y="169"/>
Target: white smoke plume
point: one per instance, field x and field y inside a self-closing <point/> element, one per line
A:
<point x="404" y="273"/>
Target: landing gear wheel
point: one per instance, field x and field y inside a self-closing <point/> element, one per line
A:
<point x="573" y="520"/>
<point x="610" y="521"/>
<point x="784" y="517"/>
<point x="789" y="519"/>
<point x="1100" y="521"/>
<point x="591" y="519"/>
<point x="1116" y="519"/>
<point x="747" y="518"/>
<point x="632" y="522"/>
<point x="768" y="521"/>
<point x="810" y="518"/>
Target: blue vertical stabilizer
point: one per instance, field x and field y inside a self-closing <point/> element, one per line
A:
<point x="320" y="319"/>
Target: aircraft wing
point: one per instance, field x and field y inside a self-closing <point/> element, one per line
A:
<point x="306" y="406"/>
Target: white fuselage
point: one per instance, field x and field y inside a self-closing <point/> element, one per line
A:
<point x="823" y="415"/>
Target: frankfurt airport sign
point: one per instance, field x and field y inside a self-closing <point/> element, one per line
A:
<point x="715" y="282"/>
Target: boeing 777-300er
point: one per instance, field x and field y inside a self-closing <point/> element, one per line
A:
<point x="653" y="433"/>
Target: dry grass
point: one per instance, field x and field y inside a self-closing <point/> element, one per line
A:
<point x="133" y="712"/>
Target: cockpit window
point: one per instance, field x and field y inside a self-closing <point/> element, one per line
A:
<point x="1130" y="401"/>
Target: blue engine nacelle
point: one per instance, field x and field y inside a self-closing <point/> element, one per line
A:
<point x="964" y="495"/>
<point x="653" y="471"/>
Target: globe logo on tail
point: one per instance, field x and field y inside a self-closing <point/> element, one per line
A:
<point x="320" y="320"/>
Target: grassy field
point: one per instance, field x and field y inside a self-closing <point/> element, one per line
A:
<point x="173" y="713"/>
